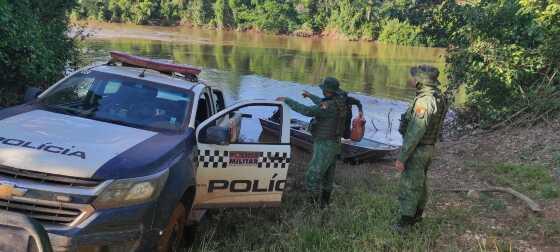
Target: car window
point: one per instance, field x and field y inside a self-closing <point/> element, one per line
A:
<point x="245" y="125"/>
<point x="121" y="100"/>
<point x="74" y="89"/>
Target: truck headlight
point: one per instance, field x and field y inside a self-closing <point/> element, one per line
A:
<point x="126" y="192"/>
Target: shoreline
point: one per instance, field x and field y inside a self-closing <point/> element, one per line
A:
<point x="327" y="34"/>
<point x="105" y="30"/>
<point x="186" y="35"/>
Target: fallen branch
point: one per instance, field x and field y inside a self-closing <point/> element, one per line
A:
<point x="504" y="122"/>
<point x="542" y="116"/>
<point x="532" y="204"/>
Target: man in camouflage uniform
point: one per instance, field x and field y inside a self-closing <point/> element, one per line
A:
<point x="420" y="128"/>
<point x="328" y="114"/>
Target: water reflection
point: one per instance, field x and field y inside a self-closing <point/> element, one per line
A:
<point x="257" y="66"/>
<point x="382" y="74"/>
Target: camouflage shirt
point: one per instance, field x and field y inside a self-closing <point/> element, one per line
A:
<point x="423" y="120"/>
<point x="328" y="116"/>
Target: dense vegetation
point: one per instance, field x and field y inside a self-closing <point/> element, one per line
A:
<point x="506" y="54"/>
<point x="34" y="46"/>
<point x="362" y="19"/>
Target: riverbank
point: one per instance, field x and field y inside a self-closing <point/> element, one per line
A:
<point x="407" y="23"/>
<point x="365" y="203"/>
<point x="200" y="35"/>
<point x="91" y="25"/>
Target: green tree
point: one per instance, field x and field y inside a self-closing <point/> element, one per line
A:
<point x="223" y="14"/>
<point x="276" y="16"/>
<point x="142" y="11"/>
<point x="357" y="19"/>
<point x="506" y="56"/>
<point x="201" y="11"/>
<point x="35" y="48"/>
<point x="170" y="11"/>
<point x="401" y="33"/>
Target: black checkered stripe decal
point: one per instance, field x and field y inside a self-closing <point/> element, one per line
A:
<point x="220" y="159"/>
<point x="213" y="159"/>
<point x="273" y="160"/>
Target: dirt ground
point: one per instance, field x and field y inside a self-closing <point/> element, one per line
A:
<point x="467" y="162"/>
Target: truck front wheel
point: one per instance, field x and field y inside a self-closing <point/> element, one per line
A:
<point x="172" y="237"/>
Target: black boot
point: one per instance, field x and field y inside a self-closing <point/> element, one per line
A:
<point x="325" y="199"/>
<point x="418" y="215"/>
<point x="404" y="224"/>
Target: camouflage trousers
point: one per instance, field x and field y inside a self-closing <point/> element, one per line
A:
<point x="413" y="193"/>
<point x="320" y="171"/>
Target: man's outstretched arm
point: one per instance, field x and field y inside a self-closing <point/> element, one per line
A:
<point x="354" y="101"/>
<point x="311" y="111"/>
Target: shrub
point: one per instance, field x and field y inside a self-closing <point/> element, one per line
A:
<point x="223" y="14"/>
<point x="276" y="16"/>
<point x="35" y="49"/>
<point x="201" y="12"/>
<point x="506" y="55"/>
<point x="401" y="33"/>
<point x="357" y="19"/>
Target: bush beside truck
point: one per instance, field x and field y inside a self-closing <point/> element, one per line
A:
<point x="35" y="48"/>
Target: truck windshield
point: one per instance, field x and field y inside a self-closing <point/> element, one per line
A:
<point x="120" y="100"/>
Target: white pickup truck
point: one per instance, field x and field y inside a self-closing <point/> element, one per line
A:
<point x="116" y="156"/>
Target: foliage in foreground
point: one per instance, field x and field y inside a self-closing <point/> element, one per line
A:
<point x="34" y="46"/>
<point x="506" y="54"/>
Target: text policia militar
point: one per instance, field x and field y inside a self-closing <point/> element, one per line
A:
<point x="237" y="186"/>
<point x="47" y="147"/>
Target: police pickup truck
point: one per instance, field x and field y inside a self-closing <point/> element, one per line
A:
<point x="116" y="157"/>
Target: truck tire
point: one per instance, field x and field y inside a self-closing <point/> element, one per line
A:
<point x="172" y="238"/>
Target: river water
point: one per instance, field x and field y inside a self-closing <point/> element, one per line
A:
<point x="257" y="66"/>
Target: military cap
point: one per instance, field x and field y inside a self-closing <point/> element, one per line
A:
<point x="425" y="74"/>
<point x="330" y="84"/>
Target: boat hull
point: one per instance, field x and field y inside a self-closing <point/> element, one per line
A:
<point x="366" y="149"/>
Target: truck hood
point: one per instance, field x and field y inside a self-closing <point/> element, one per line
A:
<point x="60" y="144"/>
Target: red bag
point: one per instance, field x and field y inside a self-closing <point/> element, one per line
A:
<point x="358" y="128"/>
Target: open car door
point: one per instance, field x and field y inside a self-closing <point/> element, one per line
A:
<point x="240" y="164"/>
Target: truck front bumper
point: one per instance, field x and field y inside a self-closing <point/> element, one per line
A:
<point x="120" y="229"/>
<point x="126" y="240"/>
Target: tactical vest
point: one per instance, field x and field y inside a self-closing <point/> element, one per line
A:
<point x="330" y="128"/>
<point x="436" y="121"/>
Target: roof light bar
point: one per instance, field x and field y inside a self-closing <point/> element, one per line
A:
<point x="135" y="61"/>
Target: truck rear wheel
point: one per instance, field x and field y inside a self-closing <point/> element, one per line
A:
<point x="173" y="234"/>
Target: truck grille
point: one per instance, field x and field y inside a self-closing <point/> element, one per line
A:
<point x="43" y="211"/>
<point x="40" y="177"/>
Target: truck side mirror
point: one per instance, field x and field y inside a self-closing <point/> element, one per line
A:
<point x="31" y="94"/>
<point x="217" y="135"/>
